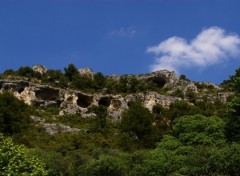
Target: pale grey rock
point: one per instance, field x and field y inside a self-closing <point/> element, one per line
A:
<point x="77" y="102"/>
<point x="39" y="68"/>
<point x="54" y="128"/>
<point x="67" y="108"/>
<point x="86" y="71"/>
<point x="47" y="104"/>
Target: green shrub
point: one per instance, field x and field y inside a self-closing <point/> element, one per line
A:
<point x="17" y="160"/>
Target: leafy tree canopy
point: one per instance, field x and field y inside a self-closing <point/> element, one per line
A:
<point x="16" y="160"/>
<point x="70" y="71"/>
<point x="14" y="114"/>
<point x="137" y="122"/>
<point x="198" y="129"/>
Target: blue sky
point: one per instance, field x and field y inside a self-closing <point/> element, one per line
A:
<point x="199" y="38"/>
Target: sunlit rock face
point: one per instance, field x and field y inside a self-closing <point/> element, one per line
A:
<point x="77" y="102"/>
<point x="86" y="71"/>
<point x="39" y="68"/>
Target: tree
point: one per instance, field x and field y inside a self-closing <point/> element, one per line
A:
<point x="137" y="122"/>
<point x="178" y="93"/>
<point x="99" y="80"/>
<point x="191" y="95"/>
<point x="180" y="108"/>
<point x="14" y="114"/>
<point x="17" y="160"/>
<point x="233" y="119"/>
<point x="101" y="117"/>
<point x="84" y="82"/>
<point x="198" y="129"/>
<point x="235" y="81"/>
<point x="28" y="72"/>
<point x="161" y="123"/>
<point x="9" y="72"/>
<point x="56" y="77"/>
<point x="105" y="166"/>
<point x="70" y="71"/>
<point x="123" y="84"/>
<point x="233" y="110"/>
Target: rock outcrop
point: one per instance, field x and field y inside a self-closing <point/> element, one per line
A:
<point x="39" y="68"/>
<point x="86" y="71"/>
<point x="72" y="102"/>
<point x="53" y="128"/>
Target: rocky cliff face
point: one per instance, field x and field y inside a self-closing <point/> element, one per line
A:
<point x="72" y="102"/>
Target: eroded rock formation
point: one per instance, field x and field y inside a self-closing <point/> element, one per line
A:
<point x="72" y="102"/>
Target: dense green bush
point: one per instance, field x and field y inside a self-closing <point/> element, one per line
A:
<point x="105" y="166"/>
<point x="28" y="72"/>
<point x="17" y="160"/>
<point x="14" y="115"/>
<point x="137" y="123"/>
<point x="70" y="71"/>
<point x="199" y="130"/>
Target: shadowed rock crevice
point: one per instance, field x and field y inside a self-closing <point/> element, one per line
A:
<point x="105" y="101"/>
<point x="21" y="86"/>
<point x="1" y="84"/>
<point x="47" y="94"/>
<point x="160" y="80"/>
<point x="84" y="100"/>
<point x="9" y="86"/>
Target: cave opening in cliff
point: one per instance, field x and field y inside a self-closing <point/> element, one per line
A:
<point x="1" y="84"/>
<point x="20" y="90"/>
<point x="160" y="81"/>
<point x="105" y="101"/>
<point x="84" y="100"/>
<point x="21" y="86"/>
<point x="47" y="94"/>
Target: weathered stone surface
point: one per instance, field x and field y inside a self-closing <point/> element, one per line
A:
<point x="39" y="68"/>
<point x="72" y="102"/>
<point x="68" y="108"/>
<point x="163" y="78"/>
<point x="170" y="77"/>
<point x="86" y="71"/>
<point x="53" y="128"/>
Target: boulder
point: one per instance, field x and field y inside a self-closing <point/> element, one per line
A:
<point x="39" y="68"/>
<point x="86" y="71"/>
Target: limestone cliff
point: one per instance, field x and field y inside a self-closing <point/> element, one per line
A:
<point x="72" y="101"/>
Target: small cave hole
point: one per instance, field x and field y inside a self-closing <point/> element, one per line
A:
<point x="1" y="84"/>
<point x="84" y="101"/>
<point x="160" y="81"/>
<point x="21" y="86"/>
<point x="105" y="101"/>
<point x="20" y="90"/>
<point x="47" y="94"/>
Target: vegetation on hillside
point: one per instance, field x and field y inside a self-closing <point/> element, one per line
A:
<point x="98" y="82"/>
<point x="197" y="138"/>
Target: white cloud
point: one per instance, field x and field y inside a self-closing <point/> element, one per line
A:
<point x="124" y="32"/>
<point x="212" y="46"/>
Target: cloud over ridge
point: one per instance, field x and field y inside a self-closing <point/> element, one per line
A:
<point x="211" y="46"/>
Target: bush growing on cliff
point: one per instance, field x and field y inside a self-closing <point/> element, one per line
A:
<point x="28" y="72"/>
<point x="14" y="115"/>
<point x="70" y="71"/>
<point x="55" y="77"/>
<point x="137" y="123"/>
